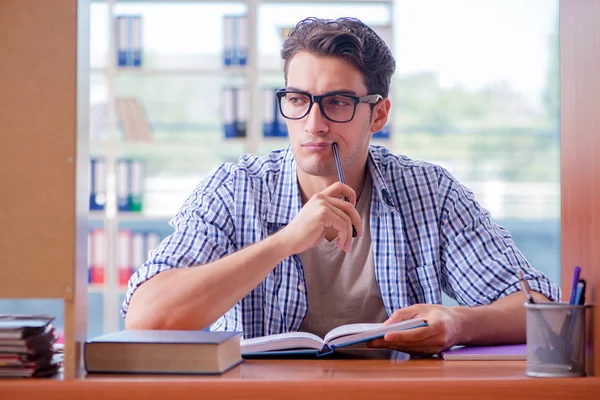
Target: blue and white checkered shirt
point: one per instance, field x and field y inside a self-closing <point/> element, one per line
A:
<point x="428" y="235"/>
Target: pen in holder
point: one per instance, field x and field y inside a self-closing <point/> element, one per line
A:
<point x="555" y="339"/>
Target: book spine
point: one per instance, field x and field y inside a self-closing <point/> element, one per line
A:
<point x="152" y="242"/>
<point x="121" y="39"/>
<point x="122" y="189"/>
<point x="124" y="250"/>
<point x="89" y="255"/>
<point x="136" y="188"/>
<point x="129" y="46"/>
<point x="229" y="123"/>
<point x="138" y="250"/>
<point x="137" y="40"/>
<point x="384" y="133"/>
<point x="269" y="108"/>
<point x="241" y="117"/>
<point x="98" y="256"/>
<point x="280" y="124"/>
<point x="228" y="38"/>
<point x="97" y="184"/>
<point x="242" y="43"/>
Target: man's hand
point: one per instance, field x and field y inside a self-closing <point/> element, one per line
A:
<point x="325" y="210"/>
<point x="442" y="332"/>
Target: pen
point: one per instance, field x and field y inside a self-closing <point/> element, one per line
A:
<point x="525" y="288"/>
<point x="549" y="337"/>
<point x="576" y="273"/>
<point x="580" y="293"/>
<point x="340" y="172"/>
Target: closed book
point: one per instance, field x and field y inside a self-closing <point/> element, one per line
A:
<point x="163" y="352"/>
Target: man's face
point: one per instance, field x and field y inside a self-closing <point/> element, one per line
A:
<point x="311" y="136"/>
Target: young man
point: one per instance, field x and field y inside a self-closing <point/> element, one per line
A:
<point x="266" y="246"/>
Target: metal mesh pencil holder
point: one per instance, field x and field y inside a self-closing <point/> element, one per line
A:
<point x="555" y="339"/>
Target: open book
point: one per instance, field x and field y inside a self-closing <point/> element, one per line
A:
<point x="307" y="343"/>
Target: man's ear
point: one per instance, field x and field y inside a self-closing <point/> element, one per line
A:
<point x="379" y="116"/>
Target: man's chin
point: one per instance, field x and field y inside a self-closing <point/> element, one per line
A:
<point x="316" y="170"/>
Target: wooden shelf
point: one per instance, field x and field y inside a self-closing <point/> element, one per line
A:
<point x="263" y="1"/>
<point x="210" y="71"/>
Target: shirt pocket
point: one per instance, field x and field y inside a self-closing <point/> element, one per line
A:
<point x="428" y="284"/>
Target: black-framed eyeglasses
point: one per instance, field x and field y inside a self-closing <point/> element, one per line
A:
<point x="295" y="104"/>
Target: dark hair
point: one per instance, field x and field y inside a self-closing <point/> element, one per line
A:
<point x="346" y="38"/>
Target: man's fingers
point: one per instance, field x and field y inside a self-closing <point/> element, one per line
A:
<point x="410" y="336"/>
<point x="403" y="314"/>
<point x="347" y="228"/>
<point x="351" y="212"/>
<point x="420" y="349"/>
<point x="341" y="223"/>
<point x="339" y="190"/>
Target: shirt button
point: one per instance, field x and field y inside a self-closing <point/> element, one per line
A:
<point x="387" y="198"/>
<point x="301" y="287"/>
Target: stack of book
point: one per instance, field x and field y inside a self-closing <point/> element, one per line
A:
<point x="27" y="346"/>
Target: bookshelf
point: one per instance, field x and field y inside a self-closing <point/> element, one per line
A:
<point x="186" y="158"/>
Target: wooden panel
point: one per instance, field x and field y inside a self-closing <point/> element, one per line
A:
<point x="325" y="379"/>
<point x="38" y="77"/>
<point x="580" y="147"/>
<point x="44" y="163"/>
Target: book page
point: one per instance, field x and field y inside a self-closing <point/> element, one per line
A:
<point x="282" y="341"/>
<point x="350" y="329"/>
<point x="354" y="333"/>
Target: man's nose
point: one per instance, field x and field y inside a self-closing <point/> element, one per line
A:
<point x="315" y="121"/>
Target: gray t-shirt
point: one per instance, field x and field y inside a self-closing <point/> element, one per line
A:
<point x="341" y="286"/>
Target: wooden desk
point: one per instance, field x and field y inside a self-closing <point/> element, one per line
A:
<point x="322" y="379"/>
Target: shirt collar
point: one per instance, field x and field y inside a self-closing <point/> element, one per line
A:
<point x="286" y="202"/>
<point x="381" y="191"/>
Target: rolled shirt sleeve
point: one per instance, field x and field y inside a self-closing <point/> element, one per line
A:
<point x="203" y="233"/>
<point x="480" y="261"/>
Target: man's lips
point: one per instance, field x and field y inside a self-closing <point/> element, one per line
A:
<point x="317" y="145"/>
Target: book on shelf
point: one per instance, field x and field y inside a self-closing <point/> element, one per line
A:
<point x="485" y="353"/>
<point x="235" y="40"/>
<point x="163" y="352"/>
<point x="129" y="40"/>
<point x="97" y="260"/>
<point x="97" y="182"/>
<point x="130" y="178"/>
<point x="124" y="256"/>
<point x="235" y="111"/>
<point x="273" y="122"/>
<point x="384" y="133"/>
<point x="132" y="249"/>
<point x="133" y="120"/>
<point x="308" y="343"/>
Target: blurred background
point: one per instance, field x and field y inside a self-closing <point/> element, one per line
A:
<point x="177" y="88"/>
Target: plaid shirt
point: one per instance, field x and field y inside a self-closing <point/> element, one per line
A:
<point x="428" y="235"/>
